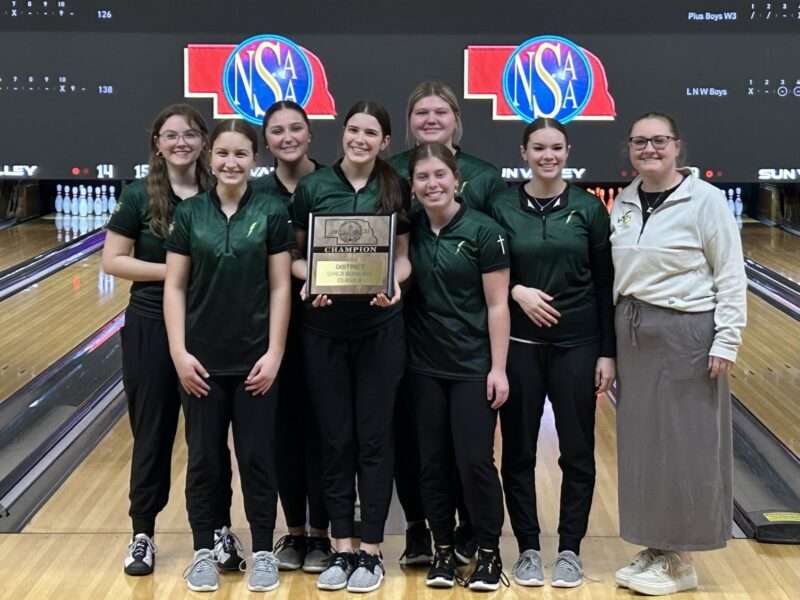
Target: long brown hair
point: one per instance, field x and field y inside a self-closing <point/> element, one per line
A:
<point x="390" y="194"/>
<point x="159" y="190"/>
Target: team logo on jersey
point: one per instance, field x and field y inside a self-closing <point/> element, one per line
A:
<point x="545" y="76"/>
<point x="245" y="80"/>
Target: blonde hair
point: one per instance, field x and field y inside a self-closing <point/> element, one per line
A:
<point x="440" y="90"/>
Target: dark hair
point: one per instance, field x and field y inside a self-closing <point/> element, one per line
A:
<point x="673" y="128"/>
<point x="282" y="105"/>
<point x="436" y="150"/>
<point x="159" y="191"/>
<point x="235" y="126"/>
<point x="390" y="194"/>
<point x="543" y="123"/>
<point x="441" y="90"/>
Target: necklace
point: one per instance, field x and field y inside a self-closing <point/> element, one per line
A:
<point x="542" y="206"/>
<point x="651" y="206"/>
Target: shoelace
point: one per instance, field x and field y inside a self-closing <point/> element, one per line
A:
<point x="488" y="566"/>
<point x="573" y="566"/>
<point x="265" y="562"/>
<point x="138" y="547"/>
<point x="322" y="544"/>
<point x="201" y="564"/>
<point x="341" y="560"/>
<point x="368" y="561"/>
<point x="646" y="557"/>
<point x="668" y="562"/>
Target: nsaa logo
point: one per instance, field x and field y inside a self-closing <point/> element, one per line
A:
<point x="545" y="76"/>
<point x="245" y="80"/>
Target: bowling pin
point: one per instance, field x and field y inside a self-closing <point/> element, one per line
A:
<point x="66" y="204"/>
<point x="75" y="201"/>
<point x="59" y="199"/>
<point x="730" y="201"/>
<point x="98" y="201"/>
<point x="112" y="201"/>
<point x="104" y="198"/>
<point x="738" y="203"/>
<point x="83" y="206"/>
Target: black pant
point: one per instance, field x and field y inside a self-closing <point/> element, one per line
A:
<point x="455" y="427"/>
<point x="154" y="401"/>
<point x="299" y="468"/>
<point x="207" y="423"/>
<point x="406" y="447"/>
<point x="566" y="377"/>
<point x="353" y="384"/>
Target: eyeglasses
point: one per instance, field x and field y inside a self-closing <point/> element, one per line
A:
<point x="659" y="142"/>
<point x="190" y="136"/>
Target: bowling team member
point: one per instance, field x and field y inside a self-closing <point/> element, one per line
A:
<point x="226" y="303"/>
<point x="562" y="344"/>
<point x="458" y="327"/>
<point x="134" y="250"/>
<point x="680" y="290"/>
<point x="434" y="116"/>
<point x="355" y="352"/>
<point x="287" y="133"/>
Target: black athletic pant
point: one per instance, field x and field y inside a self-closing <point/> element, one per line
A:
<point x="353" y="385"/>
<point x="455" y="428"/>
<point x="207" y="423"/>
<point x="407" y="467"/>
<point x="154" y="401"/>
<point x="566" y="377"/>
<point x="300" y="465"/>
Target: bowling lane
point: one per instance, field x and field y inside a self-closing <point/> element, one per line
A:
<point x="767" y="373"/>
<point x="774" y="248"/>
<point x="43" y="322"/>
<point x="26" y="240"/>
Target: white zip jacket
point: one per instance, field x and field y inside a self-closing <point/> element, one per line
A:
<point x="688" y="257"/>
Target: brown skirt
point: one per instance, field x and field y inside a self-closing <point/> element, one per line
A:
<point x="674" y="427"/>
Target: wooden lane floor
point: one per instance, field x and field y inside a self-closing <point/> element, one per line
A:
<point x="774" y="248"/>
<point x="45" y="321"/>
<point x="766" y="377"/>
<point x="26" y="240"/>
<point x="76" y="542"/>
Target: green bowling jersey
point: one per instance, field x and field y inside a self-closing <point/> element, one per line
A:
<point x="131" y="219"/>
<point x="446" y="320"/>
<point x="480" y="180"/>
<point x="565" y="252"/>
<point x="227" y="303"/>
<point x="327" y="190"/>
<point x="273" y="186"/>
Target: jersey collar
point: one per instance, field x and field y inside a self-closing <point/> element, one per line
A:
<point x="462" y="208"/>
<point x="527" y="205"/>
<point x="281" y="187"/>
<point x="337" y="168"/>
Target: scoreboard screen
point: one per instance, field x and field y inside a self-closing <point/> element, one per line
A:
<point x="81" y="80"/>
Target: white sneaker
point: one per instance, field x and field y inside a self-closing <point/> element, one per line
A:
<point x="639" y="563"/>
<point x="667" y="574"/>
<point x="141" y="556"/>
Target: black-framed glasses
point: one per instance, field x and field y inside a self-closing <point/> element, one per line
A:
<point x="659" y="142"/>
<point x="190" y="136"/>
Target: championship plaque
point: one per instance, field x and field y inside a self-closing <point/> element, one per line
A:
<point x="351" y="255"/>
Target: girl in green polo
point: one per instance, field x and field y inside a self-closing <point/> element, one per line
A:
<point x="458" y="325"/>
<point x="562" y="344"/>
<point x="355" y="352"/>
<point x="226" y="303"/>
<point x="434" y="116"/>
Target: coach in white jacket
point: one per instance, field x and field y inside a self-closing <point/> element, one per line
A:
<point x="680" y="290"/>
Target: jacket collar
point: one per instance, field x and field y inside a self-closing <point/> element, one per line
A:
<point x="685" y="191"/>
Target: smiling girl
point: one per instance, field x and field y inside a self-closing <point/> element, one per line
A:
<point x="226" y="303"/>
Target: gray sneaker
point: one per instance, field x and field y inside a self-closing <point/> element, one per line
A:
<point x="201" y="575"/>
<point x="528" y="569"/>
<point x="318" y="554"/>
<point x="368" y="574"/>
<point x="340" y="568"/>
<point x="263" y="572"/>
<point x="290" y="550"/>
<point x="568" y="571"/>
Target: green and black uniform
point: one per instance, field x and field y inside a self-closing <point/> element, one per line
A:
<point x="227" y="330"/>
<point x="299" y="470"/>
<point x="148" y="374"/>
<point x="480" y="180"/>
<point x="449" y="358"/>
<point x="355" y="355"/>
<point x="559" y="245"/>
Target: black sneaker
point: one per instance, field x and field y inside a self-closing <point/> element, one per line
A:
<point x="228" y="550"/>
<point x="141" y="556"/>
<point x="318" y="554"/>
<point x="488" y="573"/>
<point x="290" y="551"/>
<point x="418" y="546"/>
<point x="442" y="573"/>
<point x="466" y="546"/>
